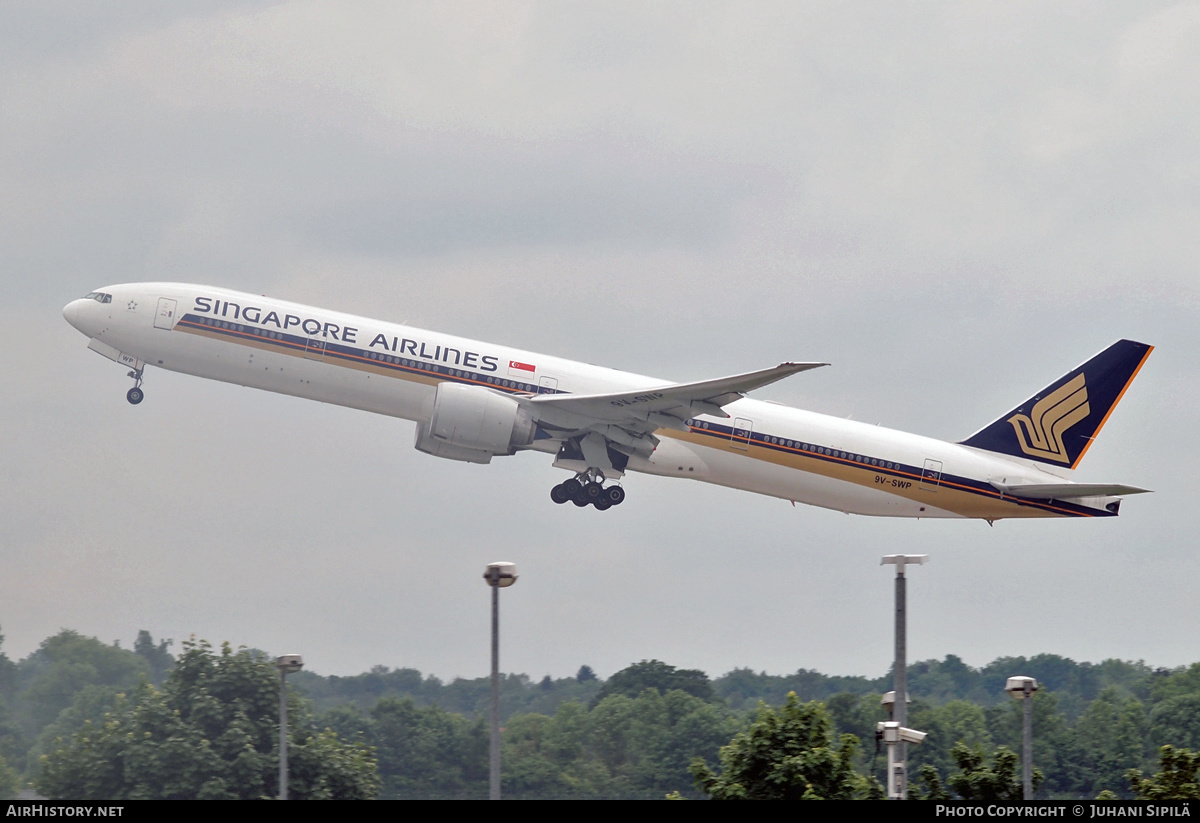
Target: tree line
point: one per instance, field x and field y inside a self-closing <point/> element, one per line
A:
<point x="82" y="718"/>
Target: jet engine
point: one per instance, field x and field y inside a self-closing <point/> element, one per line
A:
<point x="471" y="423"/>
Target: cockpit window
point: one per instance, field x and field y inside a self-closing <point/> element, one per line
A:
<point x="98" y="296"/>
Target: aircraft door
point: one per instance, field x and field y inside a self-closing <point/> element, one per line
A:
<point x="164" y="316"/>
<point x="931" y="475"/>
<point x="548" y="385"/>
<point x="743" y="431"/>
<point x="314" y="350"/>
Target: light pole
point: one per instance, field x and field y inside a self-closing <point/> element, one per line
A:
<point x="897" y="775"/>
<point x="288" y="664"/>
<point x="498" y="576"/>
<point x="1022" y="688"/>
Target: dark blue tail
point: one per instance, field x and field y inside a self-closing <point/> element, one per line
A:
<point x="1057" y="424"/>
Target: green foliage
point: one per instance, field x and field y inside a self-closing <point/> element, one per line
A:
<point x="942" y="681"/>
<point x="743" y="689"/>
<point x="977" y="782"/>
<point x="364" y="690"/>
<point x="10" y="781"/>
<point x="210" y="733"/>
<point x="1092" y="722"/>
<point x="550" y="757"/>
<point x="11" y="740"/>
<point x="657" y="675"/>
<point x="927" y="785"/>
<point x="1177" y="778"/>
<point x="323" y="767"/>
<point x="1176" y="720"/>
<point x="156" y="655"/>
<point x="788" y="754"/>
<point x="856" y="715"/>
<point x="467" y="696"/>
<point x="1111" y="736"/>
<point x="66" y="663"/>
<point x="142" y="750"/>
<point x="647" y="743"/>
<point x="8" y="674"/>
<point x="347" y="720"/>
<point x="638" y="747"/>
<point x="91" y="703"/>
<point x="428" y="752"/>
<point x="956" y="722"/>
<point x="1166" y="684"/>
<point x="947" y="680"/>
<point x="1056" y="749"/>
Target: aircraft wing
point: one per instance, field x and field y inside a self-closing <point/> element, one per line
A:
<point x="1067" y="491"/>
<point x="678" y="400"/>
<point x="626" y="420"/>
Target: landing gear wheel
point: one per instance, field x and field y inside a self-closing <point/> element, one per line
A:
<point x="587" y="489"/>
<point x="134" y="395"/>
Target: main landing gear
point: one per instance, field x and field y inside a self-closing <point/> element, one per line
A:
<point x="135" y="395"/>
<point x="587" y="489"/>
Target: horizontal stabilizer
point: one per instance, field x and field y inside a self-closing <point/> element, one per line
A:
<point x="1058" y="424"/>
<point x="1067" y="491"/>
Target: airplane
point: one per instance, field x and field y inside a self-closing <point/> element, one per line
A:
<point x="473" y="401"/>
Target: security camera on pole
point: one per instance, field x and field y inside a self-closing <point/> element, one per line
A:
<point x="897" y="775"/>
<point x="498" y="576"/>
<point x="895" y="737"/>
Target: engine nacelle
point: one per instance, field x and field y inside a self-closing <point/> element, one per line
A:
<point x="471" y="423"/>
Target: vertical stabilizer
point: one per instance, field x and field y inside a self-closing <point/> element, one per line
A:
<point x="1058" y="424"/>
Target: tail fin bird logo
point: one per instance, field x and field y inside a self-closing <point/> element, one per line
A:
<point x="1053" y="415"/>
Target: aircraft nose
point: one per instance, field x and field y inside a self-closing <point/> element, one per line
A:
<point x="80" y="314"/>
<point x="71" y="312"/>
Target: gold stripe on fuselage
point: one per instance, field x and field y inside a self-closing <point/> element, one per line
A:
<point x="946" y="494"/>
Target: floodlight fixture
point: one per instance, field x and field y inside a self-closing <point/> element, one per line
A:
<point x="500" y="574"/>
<point x="289" y="663"/>
<point x="902" y="560"/>
<point x="1018" y="687"/>
<point x="888" y="701"/>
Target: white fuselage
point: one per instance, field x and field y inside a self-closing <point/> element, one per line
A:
<point x="392" y="369"/>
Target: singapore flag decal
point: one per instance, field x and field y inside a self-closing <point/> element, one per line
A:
<point x="513" y="364"/>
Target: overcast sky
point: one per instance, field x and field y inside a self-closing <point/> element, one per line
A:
<point x="952" y="203"/>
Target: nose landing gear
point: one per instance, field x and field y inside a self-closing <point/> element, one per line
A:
<point x="587" y="489"/>
<point x="135" y="395"/>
